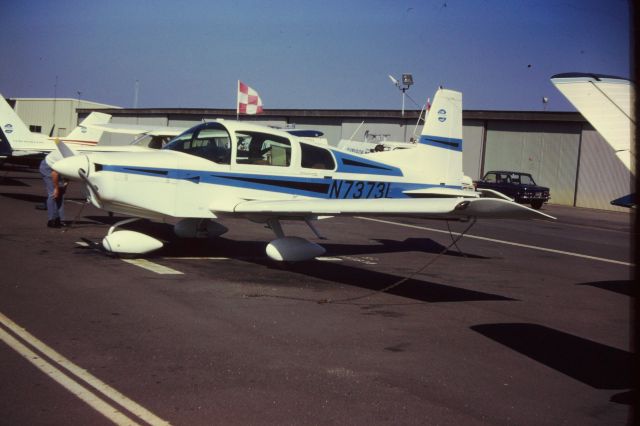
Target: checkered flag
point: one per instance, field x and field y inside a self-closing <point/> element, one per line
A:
<point x="249" y="101"/>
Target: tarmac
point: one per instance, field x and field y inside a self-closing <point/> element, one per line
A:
<point x="518" y="322"/>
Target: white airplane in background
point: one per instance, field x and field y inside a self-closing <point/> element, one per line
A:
<point x="229" y="168"/>
<point x="606" y="102"/>
<point x="17" y="141"/>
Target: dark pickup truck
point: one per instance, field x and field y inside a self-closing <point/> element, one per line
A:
<point x="519" y="186"/>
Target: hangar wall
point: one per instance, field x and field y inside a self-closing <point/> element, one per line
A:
<point x="547" y="150"/>
<point x="602" y="176"/>
<point x="40" y="114"/>
<point x="473" y="147"/>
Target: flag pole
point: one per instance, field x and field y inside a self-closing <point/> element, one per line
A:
<point x="425" y="109"/>
<point x="238" y="102"/>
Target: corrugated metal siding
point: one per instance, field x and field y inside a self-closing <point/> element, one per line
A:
<point x="36" y="112"/>
<point x="602" y="175"/>
<point x="472" y="133"/>
<point x="549" y="151"/>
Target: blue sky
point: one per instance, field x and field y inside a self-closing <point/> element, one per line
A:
<point x="308" y="54"/>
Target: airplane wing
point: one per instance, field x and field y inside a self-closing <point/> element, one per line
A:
<point x="435" y="208"/>
<point x="137" y="129"/>
<point x="606" y="103"/>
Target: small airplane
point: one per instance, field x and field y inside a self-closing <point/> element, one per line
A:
<point x="228" y="168"/>
<point x="606" y="102"/>
<point x="17" y="142"/>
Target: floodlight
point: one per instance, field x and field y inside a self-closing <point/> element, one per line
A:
<point x="407" y="79"/>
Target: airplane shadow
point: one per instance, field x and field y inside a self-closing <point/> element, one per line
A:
<point x="7" y="181"/>
<point x="337" y="272"/>
<point x="416" y="289"/>
<point x="597" y="365"/>
<point x="622" y="286"/>
<point x="424" y="245"/>
<point x="26" y="197"/>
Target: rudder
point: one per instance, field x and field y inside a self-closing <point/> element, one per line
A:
<point x="442" y="135"/>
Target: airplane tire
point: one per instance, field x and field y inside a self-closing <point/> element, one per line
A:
<point x="536" y="204"/>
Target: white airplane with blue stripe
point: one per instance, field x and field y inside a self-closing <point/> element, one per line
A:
<point x="232" y="168"/>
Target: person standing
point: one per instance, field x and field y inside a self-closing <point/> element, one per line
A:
<point x="56" y="187"/>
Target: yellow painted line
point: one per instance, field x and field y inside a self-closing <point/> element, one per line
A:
<point x="69" y="382"/>
<point x="567" y="253"/>
<point x="153" y="267"/>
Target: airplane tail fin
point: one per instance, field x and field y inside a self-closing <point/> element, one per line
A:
<point x="15" y="132"/>
<point x="85" y="132"/>
<point x="441" y="137"/>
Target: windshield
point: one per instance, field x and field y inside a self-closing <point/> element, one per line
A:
<point x="149" y="141"/>
<point x="210" y="141"/>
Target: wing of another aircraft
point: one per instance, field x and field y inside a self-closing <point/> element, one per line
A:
<point x="136" y="129"/>
<point x="437" y="208"/>
<point x="605" y="102"/>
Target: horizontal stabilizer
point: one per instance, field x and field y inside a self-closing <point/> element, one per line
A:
<point x="626" y="201"/>
<point x="137" y="129"/>
<point x="438" y="191"/>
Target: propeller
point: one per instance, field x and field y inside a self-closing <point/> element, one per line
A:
<point x="64" y="149"/>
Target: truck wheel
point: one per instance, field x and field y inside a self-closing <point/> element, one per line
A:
<point x="536" y="204"/>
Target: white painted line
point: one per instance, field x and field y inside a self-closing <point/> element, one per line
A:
<point x="195" y="258"/>
<point x="153" y="267"/>
<point x="82" y="243"/>
<point x="364" y="259"/>
<point x="81" y="392"/>
<point x="68" y="382"/>
<point x="329" y="259"/>
<point x="567" y="253"/>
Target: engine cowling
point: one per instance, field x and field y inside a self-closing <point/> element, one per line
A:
<point x="130" y="242"/>
<point x="293" y="249"/>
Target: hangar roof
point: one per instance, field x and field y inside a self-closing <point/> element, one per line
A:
<point x="340" y="114"/>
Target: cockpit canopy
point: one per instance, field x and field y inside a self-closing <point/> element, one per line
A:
<point x="213" y="142"/>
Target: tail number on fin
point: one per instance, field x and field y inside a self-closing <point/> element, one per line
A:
<point x="359" y="189"/>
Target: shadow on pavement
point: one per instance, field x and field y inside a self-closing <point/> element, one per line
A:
<point x="597" y="365"/>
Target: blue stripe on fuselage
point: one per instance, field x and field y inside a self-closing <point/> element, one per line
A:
<point x="348" y="163"/>
<point x="326" y="187"/>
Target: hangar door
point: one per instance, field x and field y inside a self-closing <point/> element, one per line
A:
<point x="547" y="150"/>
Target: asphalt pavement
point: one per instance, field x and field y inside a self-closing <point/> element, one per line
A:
<point x="518" y="322"/>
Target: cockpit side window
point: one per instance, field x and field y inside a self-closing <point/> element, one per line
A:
<point x="314" y="157"/>
<point x="263" y="149"/>
<point x="210" y="141"/>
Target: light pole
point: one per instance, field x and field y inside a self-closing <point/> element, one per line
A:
<point x="407" y="81"/>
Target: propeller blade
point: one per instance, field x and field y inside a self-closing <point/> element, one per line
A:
<point x="64" y="149"/>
